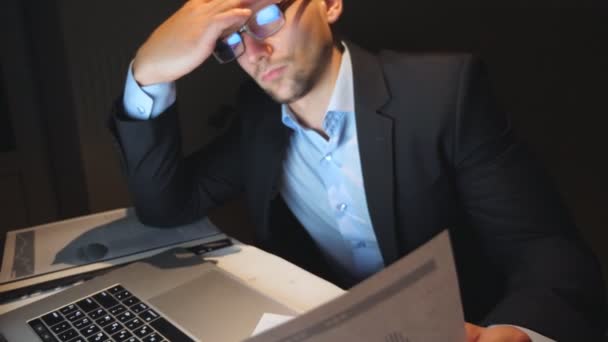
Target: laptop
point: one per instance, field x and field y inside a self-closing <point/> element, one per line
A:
<point x="173" y="296"/>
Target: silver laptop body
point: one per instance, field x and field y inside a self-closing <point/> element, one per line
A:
<point x="184" y="296"/>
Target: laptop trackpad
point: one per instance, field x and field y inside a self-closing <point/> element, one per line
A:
<point x="216" y="307"/>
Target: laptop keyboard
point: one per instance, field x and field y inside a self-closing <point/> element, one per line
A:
<point x="113" y="314"/>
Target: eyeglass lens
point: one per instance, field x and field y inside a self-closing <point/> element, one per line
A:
<point x="263" y="24"/>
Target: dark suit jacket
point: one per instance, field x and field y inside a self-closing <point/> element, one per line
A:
<point x="436" y="152"/>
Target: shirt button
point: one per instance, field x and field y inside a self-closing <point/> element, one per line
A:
<point x="342" y="207"/>
<point x="360" y="244"/>
<point x="328" y="157"/>
<point x="141" y="109"/>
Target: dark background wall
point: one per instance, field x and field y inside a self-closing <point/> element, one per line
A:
<point x="64" y="62"/>
<point x="7" y="141"/>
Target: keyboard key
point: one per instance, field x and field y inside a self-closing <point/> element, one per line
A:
<point x="87" y="305"/>
<point x="52" y="318"/>
<point x="137" y="308"/>
<point x="67" y="335"/>
<point x="74" y="316"/>
<point x="48" y="337"/>
<point x="42" y="332"/>
<point x="130" y="301"/>
<point x="125" y="316"/>
<point x="105" y="320"/>
<point x="122" y="336"/>
<point x="149" y="315"/>
<point x="168" y="330"/>
<point x="117" y="310"/>
<point x="68" y="309"/>
<point x="122" y="295"/>
<point x="154" y="337"/>
<point x="95" y="314"/>
<point x="134" y="324"/>
<point x="78" y="339"/>
<point x="105" y="299"/>
<point x="90" y="330"/>
<point x="132" y="339"/>
<point x="37" y="325"/>
<point x="113" y="328"/>
<point x="116" y="289"/>
<point x="59" y="327"/>
<point x="143" y="331"/>
<point x="99" y="337"/>
<point x="82" y="323"/>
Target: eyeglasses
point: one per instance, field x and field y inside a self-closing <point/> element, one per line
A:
<point x="263" y="24"/>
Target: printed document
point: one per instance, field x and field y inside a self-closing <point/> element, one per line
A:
<point x="60" y="249"/>
<point x="416" y="299"/>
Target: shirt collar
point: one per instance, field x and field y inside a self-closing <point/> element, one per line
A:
<point x="342" y="99"/>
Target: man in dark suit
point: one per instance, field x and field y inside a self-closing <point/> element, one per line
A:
<point x="348" y="161"/>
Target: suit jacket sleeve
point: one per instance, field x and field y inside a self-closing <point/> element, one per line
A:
<point x="553" y="283"/>
<point x="167" y="188"/>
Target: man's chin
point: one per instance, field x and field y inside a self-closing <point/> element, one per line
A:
<point x="282" y="96"/>
<point x="286" y="92"/>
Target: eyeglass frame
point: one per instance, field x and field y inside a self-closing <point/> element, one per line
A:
<point x="282" y="5"/>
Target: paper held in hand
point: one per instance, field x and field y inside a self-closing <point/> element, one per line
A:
<point x="415" y="299"/>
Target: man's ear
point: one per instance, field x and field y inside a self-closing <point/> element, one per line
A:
<point x="334" y="10"/>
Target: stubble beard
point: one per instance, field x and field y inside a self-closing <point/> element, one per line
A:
<point x="302" y="81"/>
<point x="297" y="85"/>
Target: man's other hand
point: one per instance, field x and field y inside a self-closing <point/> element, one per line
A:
<point x="499" y="333"/>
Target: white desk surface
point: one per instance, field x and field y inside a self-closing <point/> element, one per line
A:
<point x="269" y="274"/>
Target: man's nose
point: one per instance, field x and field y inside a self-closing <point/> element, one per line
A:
<point x="256" y="50"/>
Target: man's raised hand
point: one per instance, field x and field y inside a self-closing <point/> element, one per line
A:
<point x="187" y="38"/>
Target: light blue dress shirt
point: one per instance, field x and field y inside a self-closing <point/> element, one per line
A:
<point x="322" y="182"/>
<point x="147" y="102"/>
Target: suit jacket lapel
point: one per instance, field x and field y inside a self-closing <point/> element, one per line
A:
<point x="375" y="135"/>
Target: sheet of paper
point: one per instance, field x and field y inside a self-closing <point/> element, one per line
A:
<point x="62" y="245"/>
<point x="269" y="321"/>
<point x="415" y="299"/>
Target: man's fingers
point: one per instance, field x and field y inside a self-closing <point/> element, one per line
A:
<point x="503" y="334"/>
<point x="473" y="332"/>
<point x="232" y="19"/>
<point x="258" y="4"/>
<point x="254" y="5"/>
